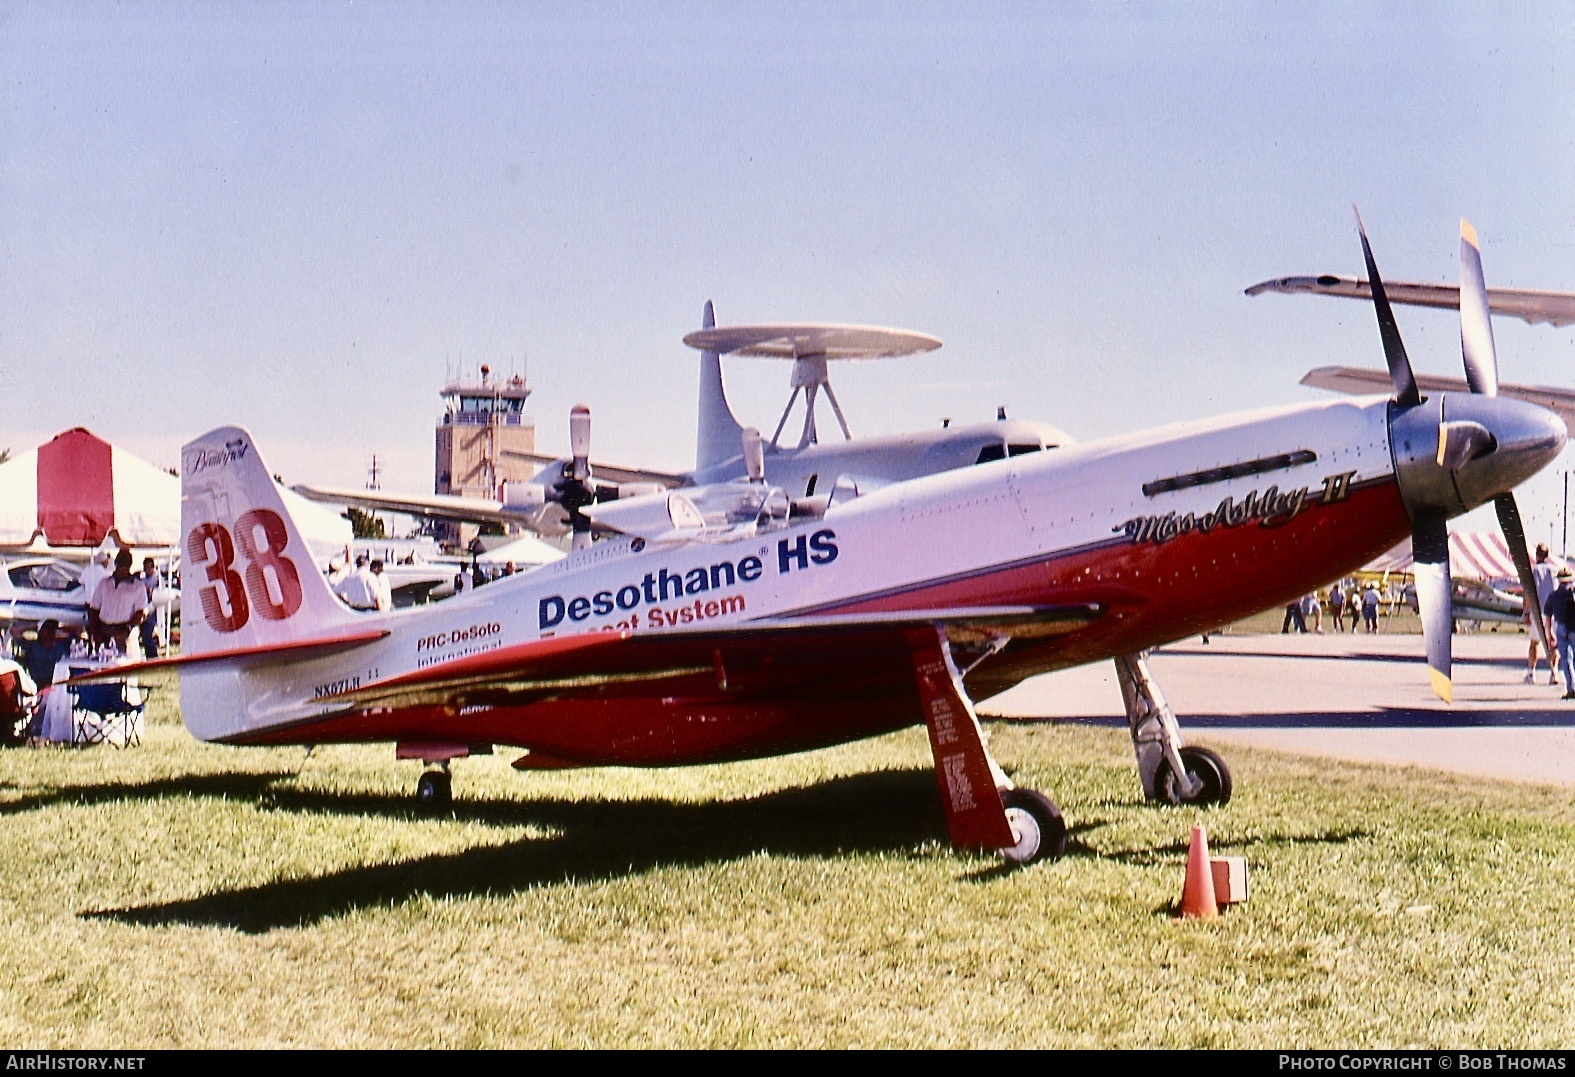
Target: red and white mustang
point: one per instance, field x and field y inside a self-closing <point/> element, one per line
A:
<point x="728" y="622"/>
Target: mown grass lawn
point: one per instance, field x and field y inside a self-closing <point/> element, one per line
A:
<point x="180" y="894"/>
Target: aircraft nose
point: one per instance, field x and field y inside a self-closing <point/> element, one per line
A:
<point x="1526" y="439"/>
<point x="1456" y="451"/>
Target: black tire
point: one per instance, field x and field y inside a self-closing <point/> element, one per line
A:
<point x="434" y="790"/>
<point x="1204" y="765"/>
<point x="1037" y="822"/>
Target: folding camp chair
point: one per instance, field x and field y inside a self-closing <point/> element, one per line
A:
<point x="14" y="713"/>
<point x="107" y="713"/>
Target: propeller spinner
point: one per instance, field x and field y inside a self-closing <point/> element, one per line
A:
<point x="1456" y="451"/>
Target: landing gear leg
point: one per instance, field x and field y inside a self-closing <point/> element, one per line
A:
<point x="1169" y="769"/>
<point x="984" y="810"/>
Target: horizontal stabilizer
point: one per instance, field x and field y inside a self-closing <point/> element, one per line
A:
<point x="264" y="655"/>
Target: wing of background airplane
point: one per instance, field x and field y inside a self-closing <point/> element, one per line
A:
<point x="439" y="506"/>
<point x="609" y="472"/>
<point x="1534" y="307"/>
<point x="1360" y="382"/>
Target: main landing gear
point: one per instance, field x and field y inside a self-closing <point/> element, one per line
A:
<point x="1170" y="770"/>
<point x="984" y="810"/>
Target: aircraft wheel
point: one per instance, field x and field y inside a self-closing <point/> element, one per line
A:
<point x="1204" y="765"/>
<point x="1037" y="822"/>
<point x="434" y="790"/>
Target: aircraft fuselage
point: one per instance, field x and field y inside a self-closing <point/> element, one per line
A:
<point x="1171" y="531"/>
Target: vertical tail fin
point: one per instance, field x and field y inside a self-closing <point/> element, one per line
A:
<point x="247" y="578"/>
<point x="719" y="436"/>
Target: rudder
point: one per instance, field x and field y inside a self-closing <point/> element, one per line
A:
<point x="248" y="578"/>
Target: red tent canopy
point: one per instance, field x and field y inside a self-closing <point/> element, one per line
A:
<point x="76" y="489"/>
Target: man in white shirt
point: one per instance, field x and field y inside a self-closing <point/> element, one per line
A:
<point x="360" y="589"/>
<point x="118" y="604"/>
<point x="385" y="590"/>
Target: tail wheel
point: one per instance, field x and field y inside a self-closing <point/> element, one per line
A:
<point x="1207" y="768"/>
<point x="1037" y="824"/>
<point x="434" y="791"/>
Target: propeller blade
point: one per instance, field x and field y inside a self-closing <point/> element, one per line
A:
<point x="580" y="440"/>
<point x="1515" y="538"/>
<point x="1476" y="328"/>
<point x="1400" y="375"/>
<point x="1430" y="546"/>
<point x="1461" y="442"/>
<point x="754" y="455"/>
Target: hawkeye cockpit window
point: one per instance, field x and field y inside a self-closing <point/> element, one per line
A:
<point x="1001" y="450"/>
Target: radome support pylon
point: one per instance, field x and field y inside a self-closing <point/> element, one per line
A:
<point x="1197" y="892"/>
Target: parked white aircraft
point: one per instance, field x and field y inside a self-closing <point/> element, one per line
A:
<point x="737" y="620"/>
<point x="36" y="589"/>
<point x="552" y="500"/>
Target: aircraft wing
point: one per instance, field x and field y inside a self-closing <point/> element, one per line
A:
<point x="1534" y="307"/>
<point x="1360" y="382"/>
<point x="803" y="656"/>
<point x="605" y="472"/>
<point x="439" y="506"/>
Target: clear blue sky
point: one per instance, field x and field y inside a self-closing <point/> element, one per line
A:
<point x="299" y="217"/>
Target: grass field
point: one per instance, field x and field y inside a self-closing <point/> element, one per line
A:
<point x="180" y="894"/>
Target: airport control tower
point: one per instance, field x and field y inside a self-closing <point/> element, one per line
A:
<point x="483" y="422"/>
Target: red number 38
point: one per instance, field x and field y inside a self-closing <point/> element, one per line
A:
<point x="229" y="597"/>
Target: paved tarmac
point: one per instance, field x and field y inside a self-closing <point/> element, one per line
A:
<point x="1361" y="697"/>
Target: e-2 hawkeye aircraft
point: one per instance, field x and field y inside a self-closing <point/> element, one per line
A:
<point x="551" y="502"/>
<point x="736" y="621"/>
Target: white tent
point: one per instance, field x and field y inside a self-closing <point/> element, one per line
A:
<point x="77" y="493"/>
<point x="76" y="490"/>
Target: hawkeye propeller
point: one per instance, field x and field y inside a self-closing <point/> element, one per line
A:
<point x="1456" y="451"/>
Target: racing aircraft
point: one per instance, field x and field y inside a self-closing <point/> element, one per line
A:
<point x="738" y="619"/>
<point x="551" y="502"/>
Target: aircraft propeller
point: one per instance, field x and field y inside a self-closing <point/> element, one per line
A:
<point x="1433" y="494"/>
<point x="575" y="491"/>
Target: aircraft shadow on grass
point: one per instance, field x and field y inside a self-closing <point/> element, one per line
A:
<point x="883" y="812"/>
<point x="891" y="811"/>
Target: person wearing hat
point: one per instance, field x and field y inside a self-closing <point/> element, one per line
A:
<point x="97" y="569"/>
<point x="1545" y="572"/>
<point x="1560" y="609"/>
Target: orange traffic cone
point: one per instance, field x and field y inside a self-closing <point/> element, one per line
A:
<point x="1197" y="893"/>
